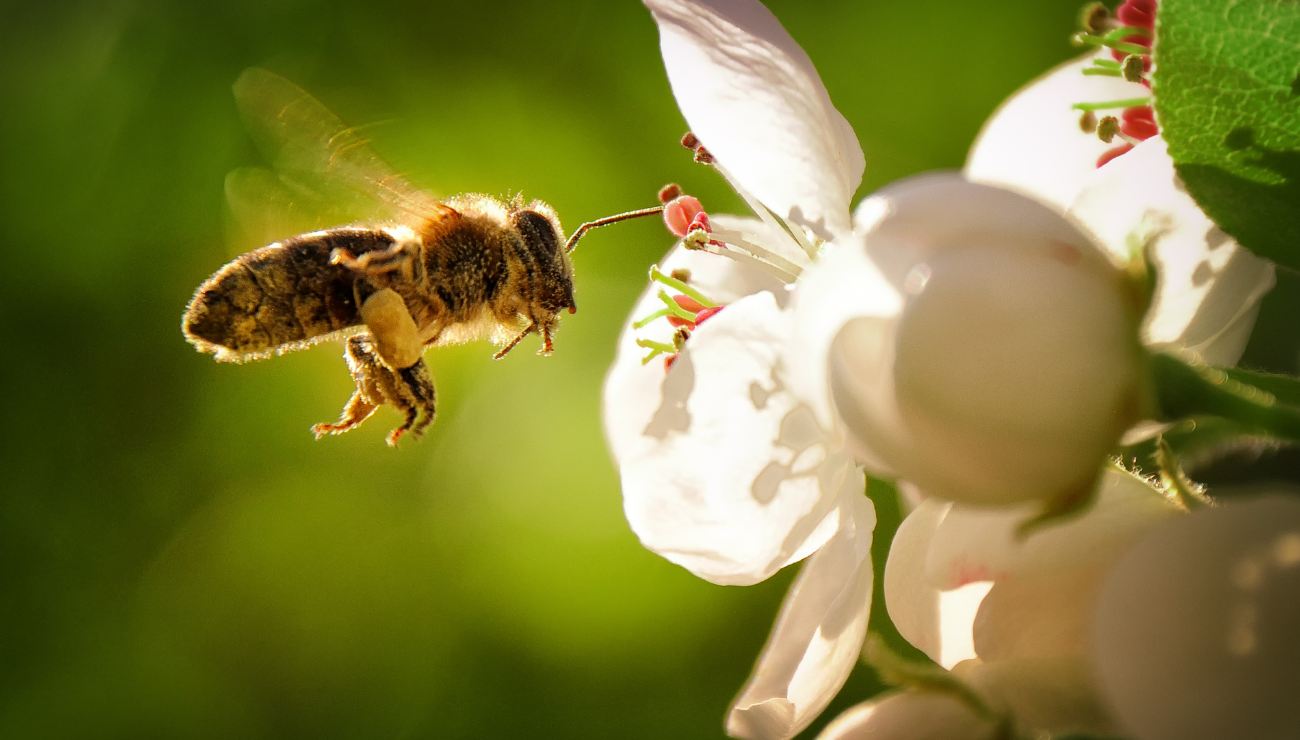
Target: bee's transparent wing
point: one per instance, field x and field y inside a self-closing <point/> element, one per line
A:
<point x="320" y="162"/>
<point x="268" y="207"/>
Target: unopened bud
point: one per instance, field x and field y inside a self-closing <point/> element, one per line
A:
<point x="670" y="192"/>
<point x="1134" y="66"/>
<point x="1108" y="128"/>
<point x="1094" y="17"/>
<point x="1088" y="122"/>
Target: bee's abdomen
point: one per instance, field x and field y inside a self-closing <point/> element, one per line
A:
<point x="279" y="297"/>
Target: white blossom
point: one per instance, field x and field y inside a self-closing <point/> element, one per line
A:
<point x="1195" y="631"/>
<point x="1011" y="614"/>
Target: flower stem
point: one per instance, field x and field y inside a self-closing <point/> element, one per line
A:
<point x="682" y="287"/>
<point x="1184" y="390"/>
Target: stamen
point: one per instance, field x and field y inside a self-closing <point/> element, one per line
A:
<point x="1088" y="122"/>
<point x="1104" y="72"/>
<point x="1126" y="103"/>
<point x="1108" y="128"/>
<point x="670" y="192"/>
<point x="681" y="287"/>
<point x="656" y="315"/>
<point x="1094" y="17"/>
<point x="674" y="309"/>
<point x="1084" y="39"/>
<point x="652" y="344"/>
<point x="1134" y="66"/>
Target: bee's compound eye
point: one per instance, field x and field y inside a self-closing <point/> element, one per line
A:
<point x="538" y="231"/>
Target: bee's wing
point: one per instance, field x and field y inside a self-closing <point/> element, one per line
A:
<point x="268" y="207"/>
<point x="318" y="157"/>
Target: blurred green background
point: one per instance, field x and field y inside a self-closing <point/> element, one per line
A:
<point x="181" y="559"/>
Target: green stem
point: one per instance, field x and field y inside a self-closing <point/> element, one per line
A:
<point x="681" y="287"/>
<point x="1184" y="390"/>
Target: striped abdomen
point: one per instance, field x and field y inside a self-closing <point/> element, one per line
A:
<point x="280" y="297"/>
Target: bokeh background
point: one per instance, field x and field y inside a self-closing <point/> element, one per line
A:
<point x="179" y="558"/>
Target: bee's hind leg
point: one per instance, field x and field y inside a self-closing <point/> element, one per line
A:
<point x="409" y="390"/>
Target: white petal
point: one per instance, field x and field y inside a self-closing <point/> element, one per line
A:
<point x="1010" y="373"/>
<point x="1043" y="616"/>
<point x="754" y="99"/>
<point x="732" y="478"/>
<point x="910" y="715"/>
<point x="937" y="622"/>
<point x="1033" y="143"/>
<point x="843" y="285"/>
<point x="1210" y="288"/>
<point x="912" y="601"/>
<point x="633" y="392"/>
<point x="1195" y="631"/>
<point x="818" y="636"/>
<point x="1045" y="695"/>
<point x="976" y="543"/>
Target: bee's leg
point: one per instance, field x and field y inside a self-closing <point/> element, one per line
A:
<point x="401" y="255"/>
<point x="409" y="390"/>
<point x="532" y="327"/>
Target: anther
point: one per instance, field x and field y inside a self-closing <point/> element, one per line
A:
<point x="1094" y="17"/>
<point x="681" y="213"/>
<point x="681" y="274"/>
<point x="1133" y="68"/>
<point x="702" y="156"/>
<point x="690" y="141"/>
<point x="670" y="192"/>
<point x="1088" y="122"/>
<point x="1108" y="128"/>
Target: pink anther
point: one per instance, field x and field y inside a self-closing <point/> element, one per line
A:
<point x="681" y="213"/>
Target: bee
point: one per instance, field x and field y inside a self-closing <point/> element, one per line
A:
<point x="425" y="272"/>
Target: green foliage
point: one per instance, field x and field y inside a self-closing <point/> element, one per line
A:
<point x="1227" y="92"/>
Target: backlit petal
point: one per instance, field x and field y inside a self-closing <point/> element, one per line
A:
<point x="911" y="715"/>
<point x="754" y="99"/>
<point x="818" y="636"/>
<point x="1033" y="143"/>
<point x="1209" y="287"/>
<point x="632" y="393"/>
<point x="732" y="478"/>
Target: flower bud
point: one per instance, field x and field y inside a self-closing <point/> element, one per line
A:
<point x="911" y="715"/>
<point x="1013" y="364"/>
<point x="1195" y="634"/>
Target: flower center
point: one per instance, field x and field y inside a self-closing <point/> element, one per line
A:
<point x="1128" y="35"/>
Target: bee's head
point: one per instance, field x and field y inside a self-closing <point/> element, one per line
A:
<point x="543" y="237"/>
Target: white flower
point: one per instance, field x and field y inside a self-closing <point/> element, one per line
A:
<point x="1011" y="615"/>
<point x="1195" y="631"/>
<point x="725" y="471"/>
<point x="911" y="715"/>
<point x="1210" y="287"/>
<point x="1010" y="368"/>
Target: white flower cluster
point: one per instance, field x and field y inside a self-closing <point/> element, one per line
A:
<point x="980" y="337"/>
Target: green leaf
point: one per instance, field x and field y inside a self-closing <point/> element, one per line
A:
<point x="1227" y="93"/>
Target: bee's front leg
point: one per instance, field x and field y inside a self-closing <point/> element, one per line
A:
<point x="409" y="390"/>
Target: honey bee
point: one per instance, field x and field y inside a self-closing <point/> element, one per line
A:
<point x="426" y="272"/>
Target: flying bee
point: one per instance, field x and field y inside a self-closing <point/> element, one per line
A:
<point x="425" y="272"/>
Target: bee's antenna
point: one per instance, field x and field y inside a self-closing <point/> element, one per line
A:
<point x="606" y="221"/>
